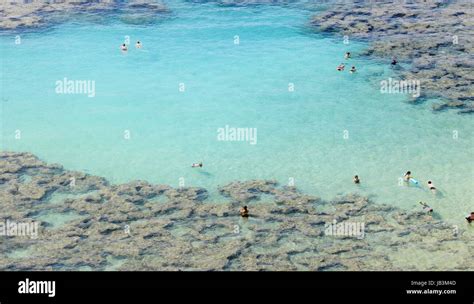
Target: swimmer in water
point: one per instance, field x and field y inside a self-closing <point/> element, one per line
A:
<point x="356" y="179"/>
<point x="196" y="165"/>
<point x="426" y="208"/>
<point x="394" y="61"/>
<point x="431" y="186"/>
<point x="138" y="45"/>
<point x="123" y="47"/>
<point x="347" y="55"/>
<point x="353" y="69"/>
<point x="341" y="67"/>
<point x="407" y="176"/>
<point x="470" y="218"/>
<point x="244" y="211"/>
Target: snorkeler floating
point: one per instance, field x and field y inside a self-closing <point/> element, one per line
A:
<point x="431" y="186"/>
<point x="470" y="217"/>
<point x="124" y="46"/>
<point x="356" y="179"/>
<point x="341" y="67"/>
<point x="196" y="165"/>
<point x="408" y="178"/>
<point x="426" y="208"/>
<point x="244" y="211"/>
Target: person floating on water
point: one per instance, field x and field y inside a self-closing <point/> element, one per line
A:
<point x="341" y="67"/>
<point x="196" y="165"/>
<point x="123" y="47"/>
<point x="407" y="176"/>
<point x="394" y="61"/>
<point x="470" y="217"/>
<point x="353" y="69"/>
<point x="138" y="45"/>
<point x="356" y="179"/>
<point x="431" y="186"/>
<point x="244" y="211"/>
<point x="426" y="208"/>
<point x="347" y="55"/>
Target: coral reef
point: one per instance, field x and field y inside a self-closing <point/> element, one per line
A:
<point x="433" y="36"/>
<point x="140" y="226"/>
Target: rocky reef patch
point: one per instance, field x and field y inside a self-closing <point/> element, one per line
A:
<point x="141" y="226"/>
<point x="434" y="37"/>
<point x="39" y="13"/>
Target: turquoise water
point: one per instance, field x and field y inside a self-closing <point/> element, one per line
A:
<point x="300" y="134"/>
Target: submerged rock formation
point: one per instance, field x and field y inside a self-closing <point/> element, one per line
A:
<point x="141" y="226"/>
<point x="35" y="13"/>
<point x="433" y="36"/>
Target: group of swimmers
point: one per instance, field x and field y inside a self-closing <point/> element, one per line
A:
<point x="407" y="177"/>
<point x="244" y="211"/>
<point x="341" y="67"/>
<point x="124" y="46"/>
<point x="425" y="206"/>
<point x="353" y="69"/>
<point x="431" y="186"/>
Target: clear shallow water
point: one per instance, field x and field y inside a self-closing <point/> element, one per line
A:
<point x="56" y="220"/>
<point x="300" y="134"/>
